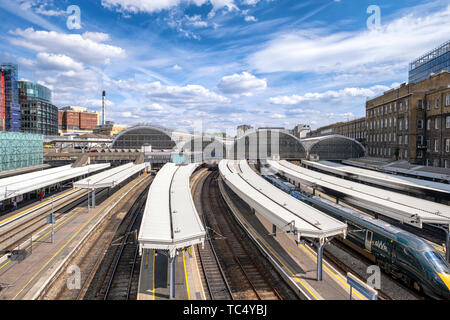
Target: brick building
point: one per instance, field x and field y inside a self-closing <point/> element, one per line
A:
<point x="412" y="122"/>
<point x="355" y="129"/>
<point x="77" y="120"/>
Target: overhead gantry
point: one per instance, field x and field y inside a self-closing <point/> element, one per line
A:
<point x="170" y="222"/>
<point x="285" y="212"/>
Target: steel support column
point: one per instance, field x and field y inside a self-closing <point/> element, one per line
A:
<point x="93" y="198"/>
<point x="319" y="260"/>
<point x="172" y="276"/>
<point x="274" y="230"/>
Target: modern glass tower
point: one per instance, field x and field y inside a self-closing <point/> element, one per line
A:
<point x="434" y="61"/>
<point x="39" y="115"/>
<point x="9" y="99"/>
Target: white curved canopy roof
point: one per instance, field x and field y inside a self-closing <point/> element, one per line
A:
<point x="280" y="208"/>
<point x="111" y="177"/>
<point x="379" y="178"/>
<point x="24" y="183"/>
<point x="170" y="218"/>
<point x="401" y="207"/>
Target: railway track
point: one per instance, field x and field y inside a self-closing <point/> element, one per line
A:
<point x="115" y="275"/>
<point x="212" y="274"/>
<point x="244" y="275"/>
<point x="98" y="250"/>
<point x="16" y="232"/>
<point x="392" y="289"/>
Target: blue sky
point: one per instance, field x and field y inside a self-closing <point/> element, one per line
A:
<point x="221" y="62"/>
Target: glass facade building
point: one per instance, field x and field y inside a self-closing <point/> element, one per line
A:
<point x="38" y="114"/>
<point x="434" y="61"/>
<point x="9" y="100"/>
<point x="19" y="150"/>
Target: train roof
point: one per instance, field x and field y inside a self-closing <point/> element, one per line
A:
<point x="400" y="235"/>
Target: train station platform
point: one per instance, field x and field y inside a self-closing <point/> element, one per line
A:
<point x="296" y="262"/>
<point x="28" y="182"/>
<point x="170" y="222"/>
<point x="403" y="208"/>
<point x="286" y="213"/>
<point x="401" y="183"/>
<point x="154" y="282"/>
<point x="27" y="279"/>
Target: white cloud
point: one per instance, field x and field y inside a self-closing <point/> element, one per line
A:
<point x="176" y="67"/>
<point x="58" y="62"/>
<point x="152" y="6"/>
<point x="250" y="2"/>
<point x="400" y="40"/>
<point x="330" y="95"/>
<point x="244" y="84"/>
<point x="77" y="46"/>
<point x="189" y="95"/>
<point x="250" y="18"/>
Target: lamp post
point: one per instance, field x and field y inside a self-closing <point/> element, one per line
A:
<point x="89" y="208"/>
<point x="53" y="222"/>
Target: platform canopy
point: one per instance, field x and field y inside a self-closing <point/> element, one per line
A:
<point x="28" y="182"/>
<point x="170" y="219"/>
<point x="111" y="177"/>
<point x="382" y="179"/>
<point x="402" y="167"/>
<point x="403" y="208"/>
<point x="281" y="209"/>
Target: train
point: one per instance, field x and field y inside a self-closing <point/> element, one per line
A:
<point x="398" y="252"/>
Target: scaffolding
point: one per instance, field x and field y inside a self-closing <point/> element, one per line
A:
<point x="18" y="150"/>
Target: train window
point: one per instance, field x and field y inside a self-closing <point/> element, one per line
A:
<point x="437" y="261"/>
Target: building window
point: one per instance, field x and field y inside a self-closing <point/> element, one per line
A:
<point x="447" y="145"/>
<point x="406" y="153"/>
<point x="390" y="106"/>
<point x="406" y="105"/>
<point x="385" y="123"/>
<point x="428" y="105"/>
<point x="445" y="163"/>
<point x="390" y="122"/>
<point x="436" y="163"/>
<point x="420" y="104"/>
<point x="406" y="139"/>
<point x="447" y="100"/>
<point x="428" y="124"/>
<point x="406" y="124"/>
<point x="395" y="122"/>
<point x="395" y="106"/>
<point x="420" y="140"/>
<point x="400" y="107"/>
<point x="436" y="103"/>
<point x="399" y="139"/>
<point x="400" y="125"/>
<point x="436" y="146"/>
<point x="436" y="123"/>
<point x="447" y="122"/>
<point x="420" y="124"/>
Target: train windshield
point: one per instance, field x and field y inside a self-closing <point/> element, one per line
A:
<point x="437" y="261"/>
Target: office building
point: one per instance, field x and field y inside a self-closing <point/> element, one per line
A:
<point x="9" y="98"/>
<point x="38" y="114"/>
<point x="433" y="62"/>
